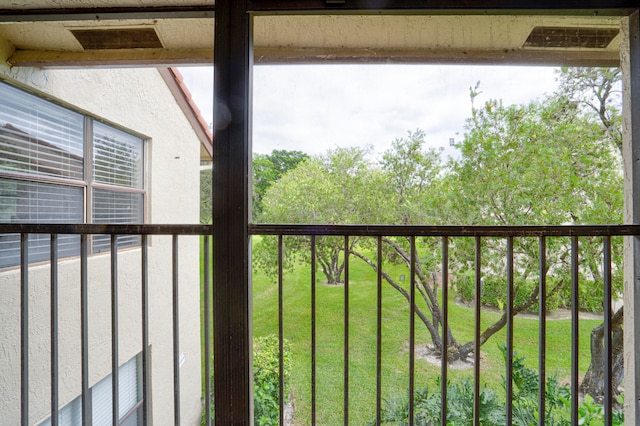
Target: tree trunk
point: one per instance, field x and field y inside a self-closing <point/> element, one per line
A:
<point x="593" y="382"/>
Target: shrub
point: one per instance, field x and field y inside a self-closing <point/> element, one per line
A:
<point x="492" y="409"/>
<point x="266" y="380"/>
<point x="494" y="291"/>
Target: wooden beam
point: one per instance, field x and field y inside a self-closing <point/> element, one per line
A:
<point x="548" y="57"/>
<point x="115" y="57"/>
<point x="106" y="13"/>
<point x="630" y="64"/>
<point x="314" y="55"/>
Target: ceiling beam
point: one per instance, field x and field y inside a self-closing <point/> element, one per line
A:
<point x="290" y="55"/>
<point x="564" y="7"/>
<point x="106" y="13"/>
<point x="547" y="57"/>
<point x="111" y="58"/>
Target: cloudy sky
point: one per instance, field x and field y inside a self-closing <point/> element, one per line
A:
<point x="315" y="107"/>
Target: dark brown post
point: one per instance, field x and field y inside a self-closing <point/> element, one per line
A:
<point x="233" y="60"/>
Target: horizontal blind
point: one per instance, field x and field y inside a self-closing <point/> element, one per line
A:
<point x="69" y="415"/>
<point x="38" y="137"/>
<point x="36" y="202"/>
<point x="129" y="393"/>
<point x="116" y="207"/>
<point x="117" y="157"/>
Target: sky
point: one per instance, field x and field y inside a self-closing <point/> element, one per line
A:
<point x="313" y="108"/>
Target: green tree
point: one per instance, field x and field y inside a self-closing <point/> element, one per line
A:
<point x="541" y="163"/>
<point x="267" y="169"/>
<point x="206" y="196"/>
<point x="598" y="91"/>
<point x="336" y="188"/>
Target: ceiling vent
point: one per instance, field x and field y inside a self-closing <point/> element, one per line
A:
<point x="571" y="37"/>
<point x="119" y="38"/>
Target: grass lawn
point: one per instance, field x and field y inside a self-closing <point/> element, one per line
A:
<point x="395" y="336"/>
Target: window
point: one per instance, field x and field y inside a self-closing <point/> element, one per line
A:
<point x="129" y="399"/>
<point x="60" y="166"/>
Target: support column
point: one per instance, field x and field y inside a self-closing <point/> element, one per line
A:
<point x="630" y="63"/>
<point x="233" y="61"/>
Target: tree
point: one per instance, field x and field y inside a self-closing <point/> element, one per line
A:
<point x="267" y="169"/>
<point x="541" y="163"/>
<point x="598" y="90"/>
<point x="336" y="188"/>
<point x="206" y="196"/>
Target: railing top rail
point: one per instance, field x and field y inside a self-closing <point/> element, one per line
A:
<point x="444" y="231"/>
<point x="97" y="229"/>
<point x="330" y="230"/>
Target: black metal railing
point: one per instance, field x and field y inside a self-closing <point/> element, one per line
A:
<point x="444" y="234"/>
<point x="114" y="231"/>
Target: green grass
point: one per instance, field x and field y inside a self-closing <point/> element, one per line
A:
<point x="395" y="337"/>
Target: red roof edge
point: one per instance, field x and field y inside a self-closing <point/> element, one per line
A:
<point x="175" y="82"/>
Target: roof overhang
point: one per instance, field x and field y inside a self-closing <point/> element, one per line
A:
<point x="46" y="36"/>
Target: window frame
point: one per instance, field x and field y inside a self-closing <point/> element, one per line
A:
<point x="73" y="407"/>
<point x="87" y="183"/>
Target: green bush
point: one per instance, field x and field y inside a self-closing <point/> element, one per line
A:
<point x="459" y="403"/>
<point x="494" y="292"/>
<point x="492" y="409"/>
<point x="266" y="380"/>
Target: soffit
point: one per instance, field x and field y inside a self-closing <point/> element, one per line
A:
<point x="187" y="38"/>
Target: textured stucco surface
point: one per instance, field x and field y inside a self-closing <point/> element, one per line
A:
<point x="136" y="99"/>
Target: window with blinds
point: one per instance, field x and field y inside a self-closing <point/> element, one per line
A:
<point x="44" y="153"/>
<point x="129" y="398"/>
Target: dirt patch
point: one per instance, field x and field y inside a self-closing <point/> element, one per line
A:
<point x="428" y="354"/>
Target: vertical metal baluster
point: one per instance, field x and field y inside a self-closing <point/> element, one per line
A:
<point x="146" y="391"/>
<point x="412" y="327"/>
<point x="54" y="328"/>
<point x="346" y="330"/>
<point x="542" y="336"/>
<point x="280" y="333"/>
<point x="84" y="325"/>
<point x="176" y="333"/>
<point x="115" y="380"/>
<point x="445" y="327"/>
<point x="313" y="329"/>
<point x="608" y="396"/>
<point x="379" y="335"/>
<point x="574" y="330"/>
<point x="207" y="332"/>
<point x="509" y="376"/>
<point x="476" y="346"/>
<point x="24" y="329"/>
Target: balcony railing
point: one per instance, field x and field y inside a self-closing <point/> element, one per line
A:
<point x="380" y="238"/>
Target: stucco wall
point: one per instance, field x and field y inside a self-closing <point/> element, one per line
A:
<point x="139" y="100"/>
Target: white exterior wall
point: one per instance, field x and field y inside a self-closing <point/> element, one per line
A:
<point x="139" y="100"/>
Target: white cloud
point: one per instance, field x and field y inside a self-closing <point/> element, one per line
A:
<point x="316" y="107"/>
